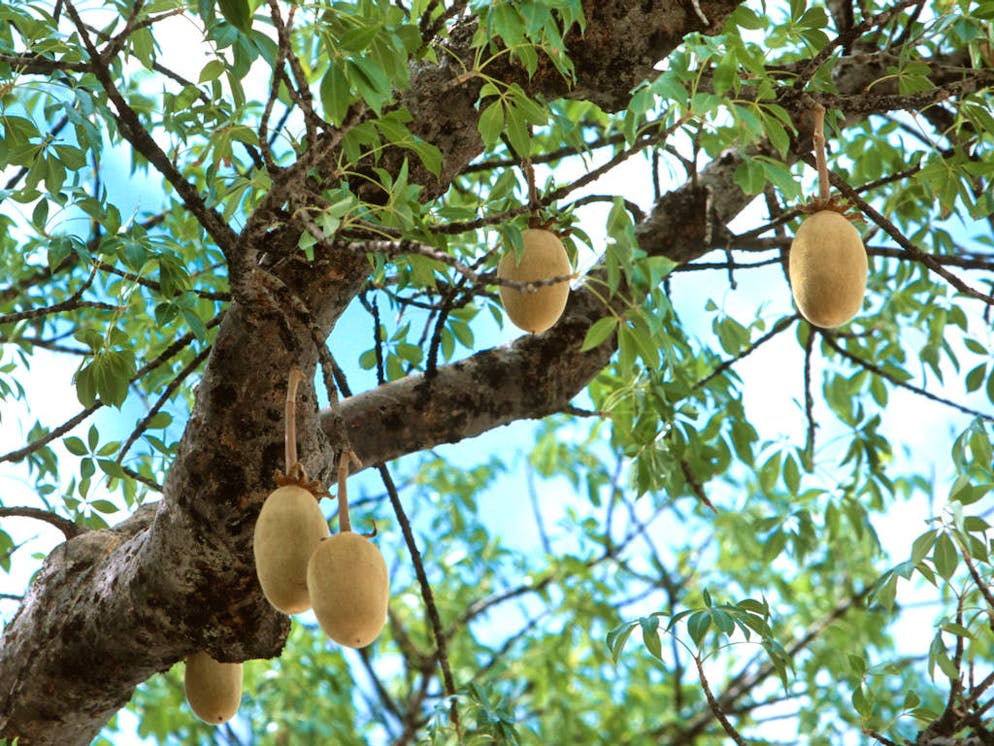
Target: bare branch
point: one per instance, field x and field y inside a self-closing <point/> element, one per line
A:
<point x="909" y="247"/>
<point x="426" y="593"/>
<point x="166" y="395"/>
<point x="779" y="326"/>
<point x="67" y="527"/>
<point x="716" y="706"/>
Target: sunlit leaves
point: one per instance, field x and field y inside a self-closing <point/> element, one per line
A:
<point x="509" y="111"/>
<point x="747" y="620"/>
<point x="238" y="13"/>
<point x="368" y="48"/>
<point x="106" y="377"/>
<point x="529" y="31"/>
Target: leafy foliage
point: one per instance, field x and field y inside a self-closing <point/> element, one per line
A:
<point x="671" y="504"/>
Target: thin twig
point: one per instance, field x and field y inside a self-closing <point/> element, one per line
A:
<point x="426" y="593"/>
<point x="543" y="534"/>
<point x="695" y="484"/>
<point x="844" y="39"/>
<point x="290" y="420"/>
<point x="910" y="248"/>
<point x="69" y="304"/>
<point x="982" y="586"/>
<point x="302" y="94"/>
<point x="821" y="163"/>
<point x="430" y="31"/>
<point x="147" y="481"/>
<point x="873" y="368"/>
<point x="131" y="129"/>
<point x="345" y="460"/>
<point x="161" y="401"/>
<point x="716" y="707"/>
<point x="779" y="326"/>
<point x="809" y="403"/>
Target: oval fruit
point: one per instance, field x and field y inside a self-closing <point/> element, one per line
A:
<point x="827" y="269"/>
<point x="349" y="586"/>
<point x="214" y="690"/>
<point x="543" y="258"/>
<point x="288" y="530"/>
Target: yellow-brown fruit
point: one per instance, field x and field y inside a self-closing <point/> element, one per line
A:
<point x="350" y="586"/>
<point x="827" y="269"/>
<point x="288" y="530"/>
<point x="543" y="258"/>
<point x="214" y="690"/>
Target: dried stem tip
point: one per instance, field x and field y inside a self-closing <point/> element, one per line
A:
<point x="348" y="457"/>
<point x="818" y="137"/>
<point x="290" y="423"/>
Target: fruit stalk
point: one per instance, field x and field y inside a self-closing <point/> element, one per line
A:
<point x="818" y="137"/>
<point x="344" y="522"/>
<point x="290" y="424"/>
<point x="533" y="202"/>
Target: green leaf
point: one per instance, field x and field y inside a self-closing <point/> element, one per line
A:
<point x="945" y="557"/>
<point x="975" y="378"/>
<point x="617" y="638"/>
<point x="517" y="131"/>
<point x="196" y="324"/>
<point x="336" y="96"/>
<point x="106" y="376"/>
<point x="861" y="702"/>
<point x="922" y="546"/>
<point x="599" y="331"/>
<point x="104" y="506"/>
<point x="491" y="123"/>
<point x="237" y="13"/>
<point x="211" y="71"/>
<point x="650" y="635"/>
<point x="75" y="446"/>
<point x="698" y="625"/>
<point x="370" y="80"/>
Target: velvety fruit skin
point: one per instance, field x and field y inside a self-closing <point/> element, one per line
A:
<point x="827" y="269"/>
<point x="288" y="530"/>
<point x="350" y="586"/>
<point x="214" y="690"/>
<point x="543" y="257"/>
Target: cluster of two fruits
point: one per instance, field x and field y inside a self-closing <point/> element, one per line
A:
<point x="300" y="565"/>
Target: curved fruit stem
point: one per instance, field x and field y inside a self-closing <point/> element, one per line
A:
<point x="534" y="206"/>
<point x="818" y="136"/>
<point x="290" y="420"/>
<point x="347" y="457"/>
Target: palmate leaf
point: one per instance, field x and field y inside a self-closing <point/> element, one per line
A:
<point x="106" y="377"/>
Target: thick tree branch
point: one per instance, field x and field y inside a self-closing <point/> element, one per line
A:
<point x="67" y="527"/>
<point x="532" y="377"/>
